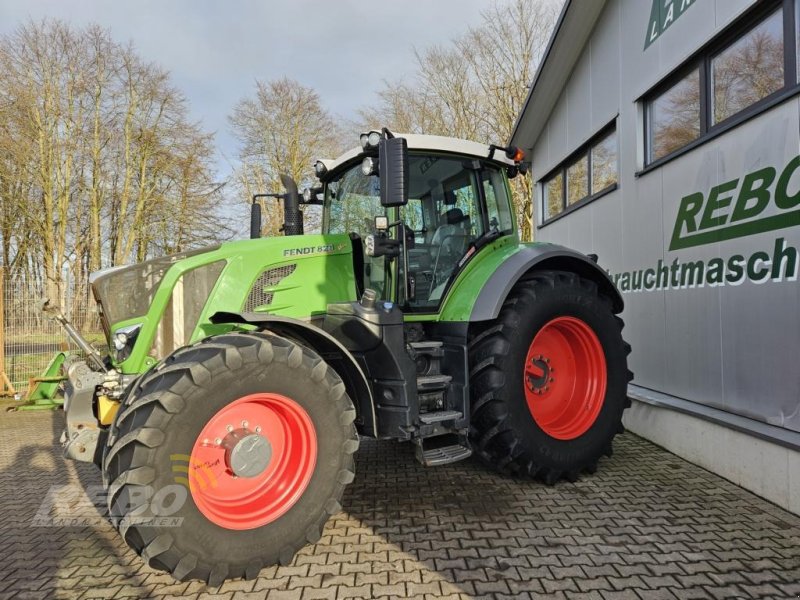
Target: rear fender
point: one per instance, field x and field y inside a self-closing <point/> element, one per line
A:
<point x="539" y="257"/>
<point x="324" y="344"/>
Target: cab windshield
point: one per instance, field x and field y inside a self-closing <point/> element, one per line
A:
<point x="453" y="201"/>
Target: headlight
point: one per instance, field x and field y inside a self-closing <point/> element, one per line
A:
<point x="368" y="166"/>
<point x="123" y="340"/>
<point x="120" y="340"/>
<point x="370" y="139"/>
<point x="370" y="245"/>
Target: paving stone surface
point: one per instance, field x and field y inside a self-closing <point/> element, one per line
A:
<point x="646" y="525"/>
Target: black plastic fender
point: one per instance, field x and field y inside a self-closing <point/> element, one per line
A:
<point x="327" y="346"/>
<point x="539" y="257"/>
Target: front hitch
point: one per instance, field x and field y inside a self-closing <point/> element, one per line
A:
<point x="84" y="435"/>
<point x="83" y="432"/>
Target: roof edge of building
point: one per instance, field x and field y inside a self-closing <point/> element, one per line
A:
<point x="571" y="32"/>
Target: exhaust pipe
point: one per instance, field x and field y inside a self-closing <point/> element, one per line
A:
<point x="292" y="215"/>
<point x="255" y="220"/>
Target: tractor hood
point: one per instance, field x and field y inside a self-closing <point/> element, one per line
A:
<point x="152" y="308"/>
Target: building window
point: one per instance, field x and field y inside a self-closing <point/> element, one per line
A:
<point x="748" y="70"/>
<point x="554" y="196"/>
<point x="604" y="162"/>
<point x="588" y="173"/>
<point x="674" y="116"/>
<point x="578" y="180"/>
<point x="748" y="64"/>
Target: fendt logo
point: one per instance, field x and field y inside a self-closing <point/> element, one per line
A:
<point x="731" y="210"/>
<point x="662" y="15"/>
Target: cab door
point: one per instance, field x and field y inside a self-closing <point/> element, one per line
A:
<point x="453" y="203"/>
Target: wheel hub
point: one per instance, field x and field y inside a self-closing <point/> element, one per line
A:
<point x="538" y="376"/>
<point x="247" y="453"/>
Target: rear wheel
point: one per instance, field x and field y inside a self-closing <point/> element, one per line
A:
<point x="549" y="379"/>
<point x="230" y="456"/>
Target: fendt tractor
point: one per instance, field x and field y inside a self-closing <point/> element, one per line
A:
<point x="238" y="378"/>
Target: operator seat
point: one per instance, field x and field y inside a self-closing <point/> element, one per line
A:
<point x="451" y="225"/>
<point x="449" y="243"/>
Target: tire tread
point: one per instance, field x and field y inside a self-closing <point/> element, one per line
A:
<point x="170" y="379"/>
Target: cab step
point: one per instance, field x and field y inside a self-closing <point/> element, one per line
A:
<point x="442" y="450"/>
<point x="432" y="383"/>
<point x="439" y="416"/>
<point x="427" y="348"/>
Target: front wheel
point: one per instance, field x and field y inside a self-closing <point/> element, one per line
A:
<point x="549" y="379"/>
<point x="230" y="456"/>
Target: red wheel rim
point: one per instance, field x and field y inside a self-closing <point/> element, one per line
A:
<point x="565" y="378"/>
<point x="252" y="461"/>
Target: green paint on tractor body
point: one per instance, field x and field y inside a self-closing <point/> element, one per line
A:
<point x="321" y="273"/>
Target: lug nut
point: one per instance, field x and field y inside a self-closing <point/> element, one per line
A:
<point x="218" y="441"/>
<point x="229" y="428"/>
<point x="244" y="424"/>
<point x="258" y="428"/>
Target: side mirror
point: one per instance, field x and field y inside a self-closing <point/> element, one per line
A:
<point x="393" y="169"/>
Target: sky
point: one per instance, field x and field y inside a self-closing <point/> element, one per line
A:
<point x="216" y="51"/>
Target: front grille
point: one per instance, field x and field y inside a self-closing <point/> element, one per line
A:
<point x="271" y="277"/>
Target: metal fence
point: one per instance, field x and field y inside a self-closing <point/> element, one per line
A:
<point x="28" y="338"/>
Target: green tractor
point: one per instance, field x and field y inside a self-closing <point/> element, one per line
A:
<point x="238" y="378"/>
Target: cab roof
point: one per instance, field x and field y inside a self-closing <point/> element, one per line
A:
<point x="436" y="143"/>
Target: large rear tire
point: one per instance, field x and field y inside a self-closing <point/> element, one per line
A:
<point x="246" y="440"/>
<point x="549" y="379"/>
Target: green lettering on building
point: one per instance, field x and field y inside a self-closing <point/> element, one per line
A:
<point x="663" y="14"/>
<point x="731" y="210"/>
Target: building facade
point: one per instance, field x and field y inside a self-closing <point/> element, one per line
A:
<point x="664" y="137"/>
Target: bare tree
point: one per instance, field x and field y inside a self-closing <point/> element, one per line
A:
<point x="99" y="164"/>
<point x="283" y="129"/>
<point x="475" y="86"/>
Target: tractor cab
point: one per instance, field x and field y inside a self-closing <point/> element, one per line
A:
<point x="455" y="201"/>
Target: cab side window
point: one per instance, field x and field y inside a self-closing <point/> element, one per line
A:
<point x="498" y="207"/>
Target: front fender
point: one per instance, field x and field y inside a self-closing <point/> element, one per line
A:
<point x="535" y="258"/>
<point x="328" y="347"/>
